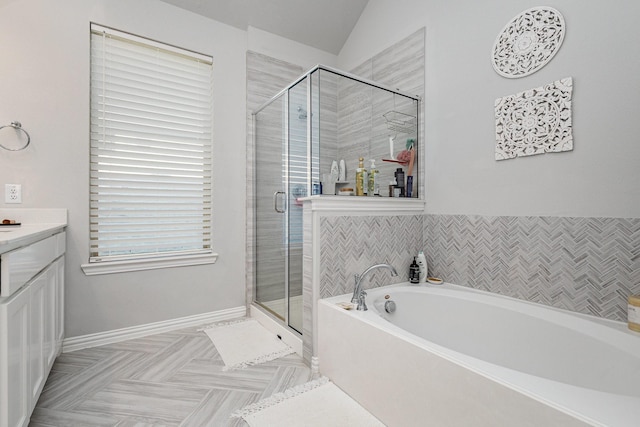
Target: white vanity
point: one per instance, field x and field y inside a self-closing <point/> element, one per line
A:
<point x="31" y="307"/>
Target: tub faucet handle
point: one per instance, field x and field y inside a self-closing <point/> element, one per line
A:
<point x="362" y="304"/>
<point x="354" y="298"/>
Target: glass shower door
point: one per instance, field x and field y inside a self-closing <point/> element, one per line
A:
<point x="270" y="208"/>
<point x="299" y="184"/>
<point x="281" y="178"/>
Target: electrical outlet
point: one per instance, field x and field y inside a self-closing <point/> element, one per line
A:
<point x="13" y="193"/>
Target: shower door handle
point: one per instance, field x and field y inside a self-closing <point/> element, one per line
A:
<point x="283" y="209"/>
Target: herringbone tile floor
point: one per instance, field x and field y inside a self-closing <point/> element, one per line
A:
<point x="170" y="379"/>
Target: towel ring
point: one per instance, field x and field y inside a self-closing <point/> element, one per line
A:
<point x="17" y="126"/>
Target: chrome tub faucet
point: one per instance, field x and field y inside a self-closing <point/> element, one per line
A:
<point x="358" y="293"/>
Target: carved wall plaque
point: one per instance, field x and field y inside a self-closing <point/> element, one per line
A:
<point x="535" y="121"/>
<point x="528" y="42"/>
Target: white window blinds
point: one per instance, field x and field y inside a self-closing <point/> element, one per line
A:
<point x="151" y="136"/>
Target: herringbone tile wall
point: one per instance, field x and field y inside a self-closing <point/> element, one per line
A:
<point x="587" y="265"/>
<point x="350" y="244"/>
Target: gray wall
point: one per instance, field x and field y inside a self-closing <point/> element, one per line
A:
<point x="600" y="177"/>
<point x="558" y="229"/>
<point x="45" y="85"/>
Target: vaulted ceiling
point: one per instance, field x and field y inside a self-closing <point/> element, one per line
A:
<point x="323" y="24"/>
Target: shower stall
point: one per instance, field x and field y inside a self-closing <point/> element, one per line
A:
<point x="323" y="117"/>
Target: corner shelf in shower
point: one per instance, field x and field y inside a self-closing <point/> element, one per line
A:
<point x="400" y="122"/>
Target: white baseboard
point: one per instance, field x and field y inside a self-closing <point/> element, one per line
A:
<point x="118" y="335"/>
<point x="315" y="367"/>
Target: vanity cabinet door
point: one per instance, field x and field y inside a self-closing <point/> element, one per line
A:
<point x="50" y="318"/>
<point x="42" y="329"/>
<point x="59" y="304"/>
<point x="15" y="405"/>
<point x="37" y="319"/>
<point x="31" y="325"/>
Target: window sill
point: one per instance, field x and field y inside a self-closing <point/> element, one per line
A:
<point x="109" y="267"/>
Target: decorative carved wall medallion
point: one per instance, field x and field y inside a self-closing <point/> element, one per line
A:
<point x="535" y="121"/>
<point x="528" y="42"/>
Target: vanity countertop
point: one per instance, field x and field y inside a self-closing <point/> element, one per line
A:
<point x="35" y="224"/>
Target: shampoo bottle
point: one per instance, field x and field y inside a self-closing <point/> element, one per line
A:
<point x="414" y="272"/>
<point x="399" y="173"/>
<point x="371" y="184"/>
<point x="360" y="178"/>
<point x="422" y="264"/>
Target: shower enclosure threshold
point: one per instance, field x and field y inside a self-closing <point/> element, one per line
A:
<point x="289" y="337"/>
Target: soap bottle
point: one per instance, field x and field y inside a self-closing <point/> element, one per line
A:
<point x="371" y="185"/>
<point x="414" y="272"/>
<point x="392" y="186"/>
<point x="361" y="180"/>
<point x="400" y="180"/>
<point x="422" y="264"/>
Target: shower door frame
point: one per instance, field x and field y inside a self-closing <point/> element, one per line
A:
<point x="285" y="186"/>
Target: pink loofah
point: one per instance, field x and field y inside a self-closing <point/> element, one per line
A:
<point x="404" y="156"/>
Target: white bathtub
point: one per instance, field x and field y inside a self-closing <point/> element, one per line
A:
<point x="450" y="355"/>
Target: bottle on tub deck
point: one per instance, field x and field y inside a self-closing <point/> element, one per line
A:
<point x="422" y="264"/>
<point x="361" y="178"/>
<point x="633" y="314"/>
<point x="414" y="272"/>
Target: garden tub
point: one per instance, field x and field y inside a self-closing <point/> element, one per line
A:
<point x="451" y="355"/>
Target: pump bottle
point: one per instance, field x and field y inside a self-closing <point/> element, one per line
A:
<point x="361" y="178"/>
<point x="372" y="189"/>
<point x="422" y="264"/>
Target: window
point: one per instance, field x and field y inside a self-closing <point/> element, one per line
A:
<point x="151" y="136"/>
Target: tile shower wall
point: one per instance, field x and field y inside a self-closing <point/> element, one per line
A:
<point x="325" y="103"/>
<point x="350" y="244"/>
<point x="360" y="110"/>
<point x="587" y="265"/>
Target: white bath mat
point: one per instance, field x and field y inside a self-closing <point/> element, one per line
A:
<point x="316" y="403"/>
<point x="246" y="342"/>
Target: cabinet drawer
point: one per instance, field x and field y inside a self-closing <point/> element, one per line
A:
<point x="19" y="266"/>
